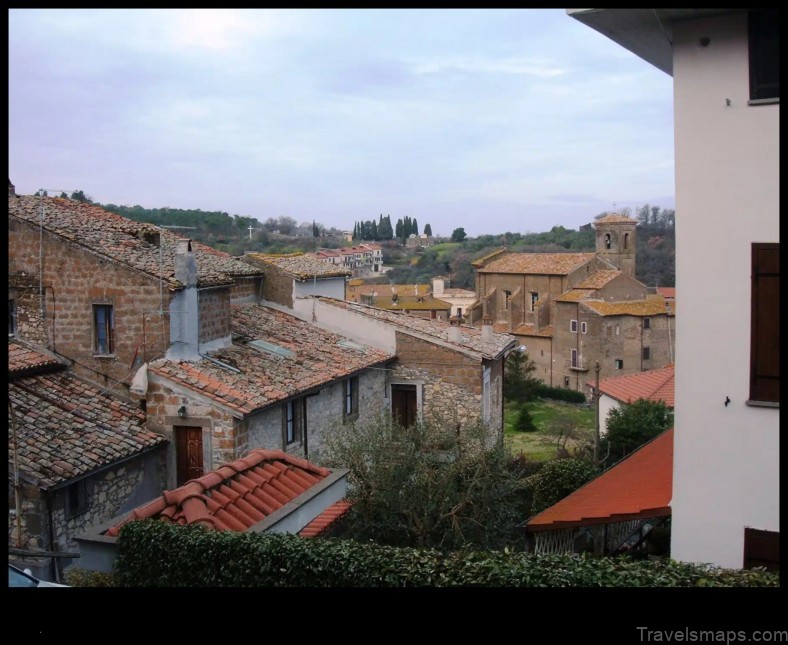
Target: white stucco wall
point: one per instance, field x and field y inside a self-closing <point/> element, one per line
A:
<point x="726" y="459"/>
<point x="606" y="404"/>
<point x="329" y="287"/>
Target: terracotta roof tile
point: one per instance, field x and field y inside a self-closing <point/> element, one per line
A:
<point x="312" y="357"/>
<point x="598" y="279"/>
<point x="67" y="427"/>
<point x="23" y="359"/>
<point x="574" y="295"/>
<point x="235" y="496"/>
<point x="641" y="485"/>
<point x="654" y="385"/>
<point x="410" y="303"/>
<point x="667" y="292"/>
<point x="652" y="306"/>
<point x="355" y="291"/>
<point x="298" y="265"/>
<point x="470" y="337"/>
<point x="614" y="218"/>
<point x="126" y="241"/>
<point x="537" y="263"/>
<point x="326" y="519"/>
<point x="530" y="330"/>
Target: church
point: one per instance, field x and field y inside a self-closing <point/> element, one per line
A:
<point x="574" y="310"/>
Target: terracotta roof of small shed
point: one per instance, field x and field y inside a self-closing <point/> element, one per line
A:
<point x="654" y="385"/>
<point x="125" y="241"/>
<point x="537" y="263"/>
<point x="67" y="427"/>
<point x="304" y="357"/>
<point x="326" y="519"/>
<point x="301" y="266"/>
<point x="235" y="496"/>
<point x="637" y="487"/>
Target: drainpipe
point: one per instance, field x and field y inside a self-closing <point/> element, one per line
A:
<point x="17" y="501"/>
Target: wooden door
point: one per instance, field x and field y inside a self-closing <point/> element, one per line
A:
<point x="403" y="404"/>
<point x="188" y="453"/>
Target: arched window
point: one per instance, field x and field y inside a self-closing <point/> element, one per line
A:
<point x="607" y="240"/>
<point x="626" y="239"/>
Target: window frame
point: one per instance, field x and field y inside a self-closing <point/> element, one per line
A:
<point x="646" y="353"/>
<point x="574" y="358"/>
<point x="647" y="323"/>
<point x="618" y="363"/>
<point x="763" y="37"/>
<point x="350" y="398"/>
<point x="293" y="422"/>
<point x="573" y="326"/>
<point x="583" y="327"/>
<point x="76" y="499"/>
<point x="534" y="299"/>
<point x="108" y="325"/>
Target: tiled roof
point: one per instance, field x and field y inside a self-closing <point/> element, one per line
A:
<point x="67" y="427"/>
<point x="470" y="337"/>
<point x="598" y="279"/>
<point x="24" y="360"/>
<point x="298" y="265"/>
<point x="654" y="385"/>
<point x="411" y="303"/>
<point x="639" y="486"/>
<point x="314" y="357"/>
<point x="614" y="218"/>
<point x="486" y="258"/>
<point x="573" y="295"/>
<point x="667" y="292"/>
<point x="326" y="519"/>
<point x="459" y="293"/>
<point x="126" y="241"/>
<point x="355" y="291"/>
<point x="537" y="263"/>
<point x="235" y="496"/>
<point x="652" y="306"/>
<point x="530" y="330"/>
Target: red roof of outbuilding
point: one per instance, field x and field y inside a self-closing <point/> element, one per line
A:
<point x="654" y="385"/>
<point x="638" y="486"/>
<point x="236" y="495"/>
<point x="322" y="522"/>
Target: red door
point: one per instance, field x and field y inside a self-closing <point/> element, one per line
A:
<point x="188" y="453"/>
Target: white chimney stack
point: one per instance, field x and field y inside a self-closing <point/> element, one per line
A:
<point x="454" y="329"/>
<point x="487" y="330"/>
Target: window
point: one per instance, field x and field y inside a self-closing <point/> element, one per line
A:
<point x="405" y="403"/>
<point x="11" y="318"/>
<point x="646" y="353"/>
<point x="647" y="323"/>
<point x="574" y="358"/>
<point x="350" y="408"/>
<point x="534" y="299"/>
<point x="765" y="325"/>
<point x="573" y="326"/>
<point x="293" y="422"/>
<point x="607" y="240"/>
<point x="507" y="295"/>
<point x="626" y="240"/>
<point x="583" y="327"/>
<point x="76" y="499"/>
<point x="619" y="364"/>
<point x="764" y="45"/>
<point x="566" y="381"/>
<point x="103" y="327"/>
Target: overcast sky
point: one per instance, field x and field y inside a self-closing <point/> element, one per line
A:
<point x="493" y="120"/>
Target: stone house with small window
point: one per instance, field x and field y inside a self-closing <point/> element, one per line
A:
<point x="77" y="457"/>
<point x="442" y="370"/>
<point x="570" y="310"/>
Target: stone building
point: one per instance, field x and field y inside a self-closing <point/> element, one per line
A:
<point x="442" y="370"/>
<point x="77" y="457"/>
<point x="105" y="287"/>
<point x="461" y="300"/>
<point x="571" y="310"/>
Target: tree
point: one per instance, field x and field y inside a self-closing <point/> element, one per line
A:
<point x="415" y="229"/>
<point x="518" y="382"/>
<point x="458" y="235"/>
<point x="557" y="479"/>
<point x="63" y="195"/>
<point x="428" y="230"/>
<point x="80" y="196"/>
<point x="524" y="421"/>
<point x="315" y="230"/>
<point x="633" y="424"/>
<point x="428" y="485"/>
<point x="286" y="224"/>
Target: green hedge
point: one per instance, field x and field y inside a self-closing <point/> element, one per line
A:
<point x="155" y="554"/>
<point x="559" y="393"/>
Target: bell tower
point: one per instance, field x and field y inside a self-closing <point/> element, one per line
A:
<point x="616" y="241"/>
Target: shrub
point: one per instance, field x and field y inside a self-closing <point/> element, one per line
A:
<point x="152" y="553"/>
<point x="524" y="421"/>
<point x="557" y="479"/>
<point x="559" y="393"/>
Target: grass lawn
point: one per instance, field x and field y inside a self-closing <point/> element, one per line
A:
<point x="548" y="417"/>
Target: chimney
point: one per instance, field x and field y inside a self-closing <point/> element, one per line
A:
<point x="185" y="308"/>
<point x="487" y="330"/>
<point x="11" y="189"/>
<point x="454" y="329"/>
<point x="438" y="285"/>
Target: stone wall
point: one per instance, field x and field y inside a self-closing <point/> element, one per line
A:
<point x="76" y="279"/>
<point x="245" y="290"/>
<point x="214" y="314"/>
<point x="24" y="291"/>
<point x="277" y="287"/>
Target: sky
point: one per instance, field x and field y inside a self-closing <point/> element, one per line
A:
<point x="492" y="120"/>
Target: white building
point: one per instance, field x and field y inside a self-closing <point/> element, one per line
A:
<point x="725" y="68"/>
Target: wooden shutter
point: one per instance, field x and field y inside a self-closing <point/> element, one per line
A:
<point x="765" y="331"/>
<point x="761" y="549"/>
